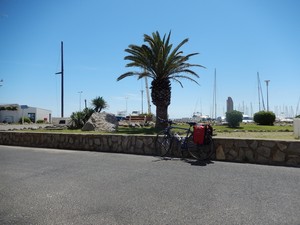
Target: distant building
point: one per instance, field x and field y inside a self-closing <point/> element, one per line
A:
<point x="12" y="113"/>
<point x="229" y="104"/>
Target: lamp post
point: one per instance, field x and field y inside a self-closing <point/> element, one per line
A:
<point x="126" y="99"/>
<point x="62" y="79"/>
<point x="267" y="83"/>
<point x="80" y="92"/>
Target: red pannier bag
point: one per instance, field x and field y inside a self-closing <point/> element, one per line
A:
<point x="199" y="134"/>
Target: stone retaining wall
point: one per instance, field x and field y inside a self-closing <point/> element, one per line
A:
<point x="276" y="152"/>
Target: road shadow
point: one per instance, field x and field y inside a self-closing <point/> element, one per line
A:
<point x="195" y="162"/>
<point x="192" y="162"/>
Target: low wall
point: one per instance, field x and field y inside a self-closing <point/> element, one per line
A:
<point x="259" y="151"/>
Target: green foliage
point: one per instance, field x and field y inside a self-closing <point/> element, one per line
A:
<point x="10" y="108"/>
<point x="99" y="103"/>
<point x="264" y="118"/>
<point x="297" y="116"/>
<point x="78" y="119"/>
<point x="234" y="118"/>
<point x="40" y="121"/>
<point x="26" y="120"/>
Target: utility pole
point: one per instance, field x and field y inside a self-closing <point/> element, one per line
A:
<point x="80" y="92"/>
<point x="142" y="93"/>
<point x="267" y="83"/>
<point x="126" y="100"/>
<point x="62" y="79"/>
<point x="148" y="96"/>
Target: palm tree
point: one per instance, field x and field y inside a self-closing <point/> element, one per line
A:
<point x="160" y="62"/>
<point x="99" y="103"/>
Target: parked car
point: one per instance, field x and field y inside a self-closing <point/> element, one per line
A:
<point x="247" y="119"/>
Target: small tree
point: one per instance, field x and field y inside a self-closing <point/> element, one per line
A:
<point x="234" y="118"/>
<point x="264" y="118"/>
<point x="99" y="103"/>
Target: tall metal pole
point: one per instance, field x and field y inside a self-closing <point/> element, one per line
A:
<point x="62" y="79"/>
<point x="267" y="83"/>
<point x="148" y="96"/>
<point x="80" y="92"/>
<point x="142" y="93"/>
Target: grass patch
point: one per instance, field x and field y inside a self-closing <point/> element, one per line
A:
<point x="254" y="128"/>
<point x="179" y="129"/>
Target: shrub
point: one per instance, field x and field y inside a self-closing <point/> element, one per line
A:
<point x="10" y="108"/>
<point x="26" y="120"/>
<point x="40" y="121"/>
<point x="264" y="118"/>
<point x="234" y="118"/>
<point x="297" y="116"/>
<point x="77" y="120"/>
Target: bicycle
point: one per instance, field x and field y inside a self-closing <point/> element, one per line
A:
<point x="198" y="150"/>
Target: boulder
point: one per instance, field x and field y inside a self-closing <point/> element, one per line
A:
<point x="101" y="122"/>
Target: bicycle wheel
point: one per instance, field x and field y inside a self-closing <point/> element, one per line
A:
<point x="201" y="151"/>
<point x="163" y="143"/>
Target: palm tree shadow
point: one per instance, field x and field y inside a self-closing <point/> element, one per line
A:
<point x="162" y="158"/>
<point x="194" y="162"/>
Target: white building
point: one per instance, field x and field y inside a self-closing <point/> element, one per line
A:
<point x="12" y="113"/>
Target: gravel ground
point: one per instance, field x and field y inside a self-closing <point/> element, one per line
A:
<point x="6" y="127"/>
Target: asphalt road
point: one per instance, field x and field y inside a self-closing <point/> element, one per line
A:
<point x="45" y="186"/>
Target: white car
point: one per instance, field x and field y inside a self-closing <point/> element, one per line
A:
<point x="247" y="119"/>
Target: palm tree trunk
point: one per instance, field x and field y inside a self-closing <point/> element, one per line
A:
<point x="161" y="113"/>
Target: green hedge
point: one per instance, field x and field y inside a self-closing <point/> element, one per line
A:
<point x="234" y="118"/>
<point x="264" y="118"/>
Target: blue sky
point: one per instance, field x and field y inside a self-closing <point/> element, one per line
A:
<point x="238" y="38"/>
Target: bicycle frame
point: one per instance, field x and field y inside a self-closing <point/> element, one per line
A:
<point x="184" y="139"/>
<point x="201" y="151"/>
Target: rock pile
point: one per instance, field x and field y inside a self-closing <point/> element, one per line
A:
<point x="101" y="122"/>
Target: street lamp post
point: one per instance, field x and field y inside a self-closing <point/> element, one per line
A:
<point x="126" y="99"/>
<point x="267" y="83"/>
<point x="80" y="92"/>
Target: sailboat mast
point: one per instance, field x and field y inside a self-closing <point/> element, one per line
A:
<point x="260" y="93"/>
<point x="215" y="96"/>
<point x="258" y="82"/>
